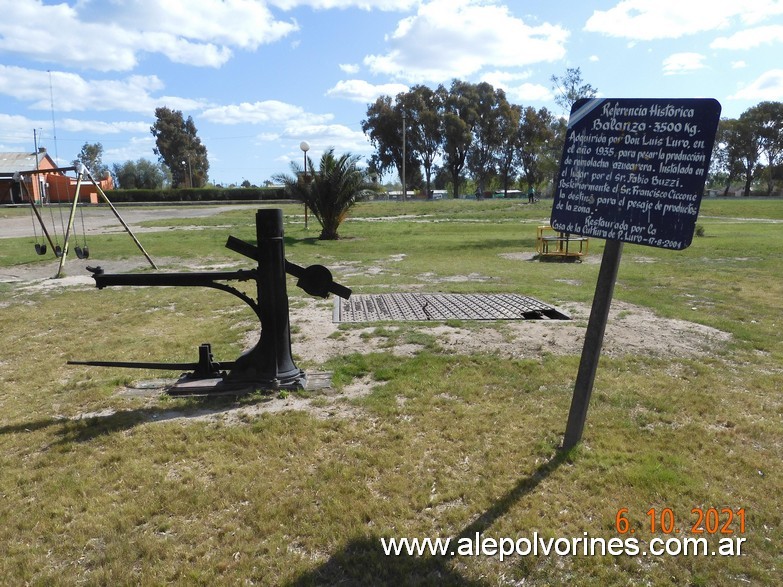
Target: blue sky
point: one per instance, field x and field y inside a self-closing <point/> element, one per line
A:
<point x="259" y="77"/>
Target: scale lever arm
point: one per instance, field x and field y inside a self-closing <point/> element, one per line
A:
<point x="316" y="279"/>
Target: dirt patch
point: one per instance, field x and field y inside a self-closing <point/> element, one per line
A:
<point x="631" y="330"/>
<point x="41" y="276"/>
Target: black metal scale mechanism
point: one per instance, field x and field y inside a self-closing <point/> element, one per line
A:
<point x="268" y="365"/>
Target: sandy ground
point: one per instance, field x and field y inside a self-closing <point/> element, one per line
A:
<point x="630" y="330"/>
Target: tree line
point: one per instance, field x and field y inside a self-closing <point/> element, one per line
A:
<point x="477" y="135"/>
<point x="447" y="137"/>
<point x="749" y="149"/>
<point x="472" y="131"/>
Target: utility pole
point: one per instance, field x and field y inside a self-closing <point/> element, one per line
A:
<point x="404" y="191"/>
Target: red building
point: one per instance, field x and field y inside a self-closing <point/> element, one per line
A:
<point x="43" y="180"/>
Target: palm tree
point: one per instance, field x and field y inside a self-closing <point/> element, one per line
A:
<point x="331" y="191"/>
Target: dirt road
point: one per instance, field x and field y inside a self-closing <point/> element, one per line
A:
<point x="101" y="220"/>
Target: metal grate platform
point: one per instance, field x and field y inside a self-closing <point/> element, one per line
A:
<point x="420" y="306"/>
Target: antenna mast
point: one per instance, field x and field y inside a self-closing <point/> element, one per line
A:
<point x="54" y="128"/>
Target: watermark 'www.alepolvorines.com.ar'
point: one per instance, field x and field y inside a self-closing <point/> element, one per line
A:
<point x="585" y="545"/>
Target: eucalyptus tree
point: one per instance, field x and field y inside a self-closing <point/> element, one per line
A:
<point x="570" y="87"/>
<point x="749" y="147"/>
<point x="538" y="137"/>
<point x="725" y="163"/>
<point x="423" y="108"/>
<point x="409" y="125"/>
<point x="511" y="145"/>
<point x="553" y="149"/>
<point x="458" y="120"/>
<point x="91" y="156"/>
<point x="490" y="113"/>
<point x="331" y="190"/>
<point x="767" y="120"/>
<point x="141" y="174"/>
<point x="383" y="126"/>
<point x="178" y="146"/>
<point x="746" y="146"/>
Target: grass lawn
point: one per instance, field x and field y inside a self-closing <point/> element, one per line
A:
<point x="106" y="488"/>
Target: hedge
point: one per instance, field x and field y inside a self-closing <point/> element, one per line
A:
<point x="211" y="194"/>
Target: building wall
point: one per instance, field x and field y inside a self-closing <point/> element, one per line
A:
<point x="33" y="186"/>
<point x="57" y="188"/>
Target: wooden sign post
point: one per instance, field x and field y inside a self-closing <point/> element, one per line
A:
<point x="633" y="170"/>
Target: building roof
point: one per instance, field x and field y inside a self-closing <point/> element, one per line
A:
<point x="10" y="163"/>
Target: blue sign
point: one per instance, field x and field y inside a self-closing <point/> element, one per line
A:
<point x="633" y="170"/>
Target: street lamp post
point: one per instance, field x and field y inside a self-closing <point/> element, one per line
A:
<point x="190" y="171"/>
<point x="305" y="146"/>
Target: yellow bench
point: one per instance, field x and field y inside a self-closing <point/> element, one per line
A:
<point x="550" y="243"/>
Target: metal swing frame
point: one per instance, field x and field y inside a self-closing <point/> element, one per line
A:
<point x="81" y="173"/>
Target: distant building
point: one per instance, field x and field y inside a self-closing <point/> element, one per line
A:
<point x="508" y="194"/>
<point x="50" y="184"/>
<point x="13" y="163"/>
<point x="409" y="195"/>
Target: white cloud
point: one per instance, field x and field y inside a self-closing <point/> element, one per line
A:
<point x="517" y="90"/>
<point x="56" y="34"/>
<point x="384" y="5"/>
<point x="449" y="39"/>
<point x="180" y="50"/>
<point x="18" y="130"/>
<point x="594" y="58"/>
<point x="750" y="38"/>
<point x="321" y="137"/>
<point x="738" y="64"/>
<point x="102" y="128"/>
<point x="358" y="90"/>
<point x="74" y="93"/>
<point x="266" y="112"/>
<point x="349" y="68"/>
<point x="529" y="93"/>
<point x="89" y="35"/>
<point x="768" y="86"/>
<point x="503" y="78"/>
<point x="670" y="19"/>
<point x="133" y="149"/>
<point x="678" y="63"/>
<point x="760" y="11"/>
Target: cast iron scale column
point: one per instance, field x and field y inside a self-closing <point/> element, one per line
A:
<point x="270" y="360"/>
<point x="269" y="364"/>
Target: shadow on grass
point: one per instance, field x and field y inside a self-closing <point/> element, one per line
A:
<point x="363" y="562"/>
<point x="87" y="427"/>
<point x="554" y="258"/>
<point x="309" y="240"/>
<point x="499" y="244"/>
